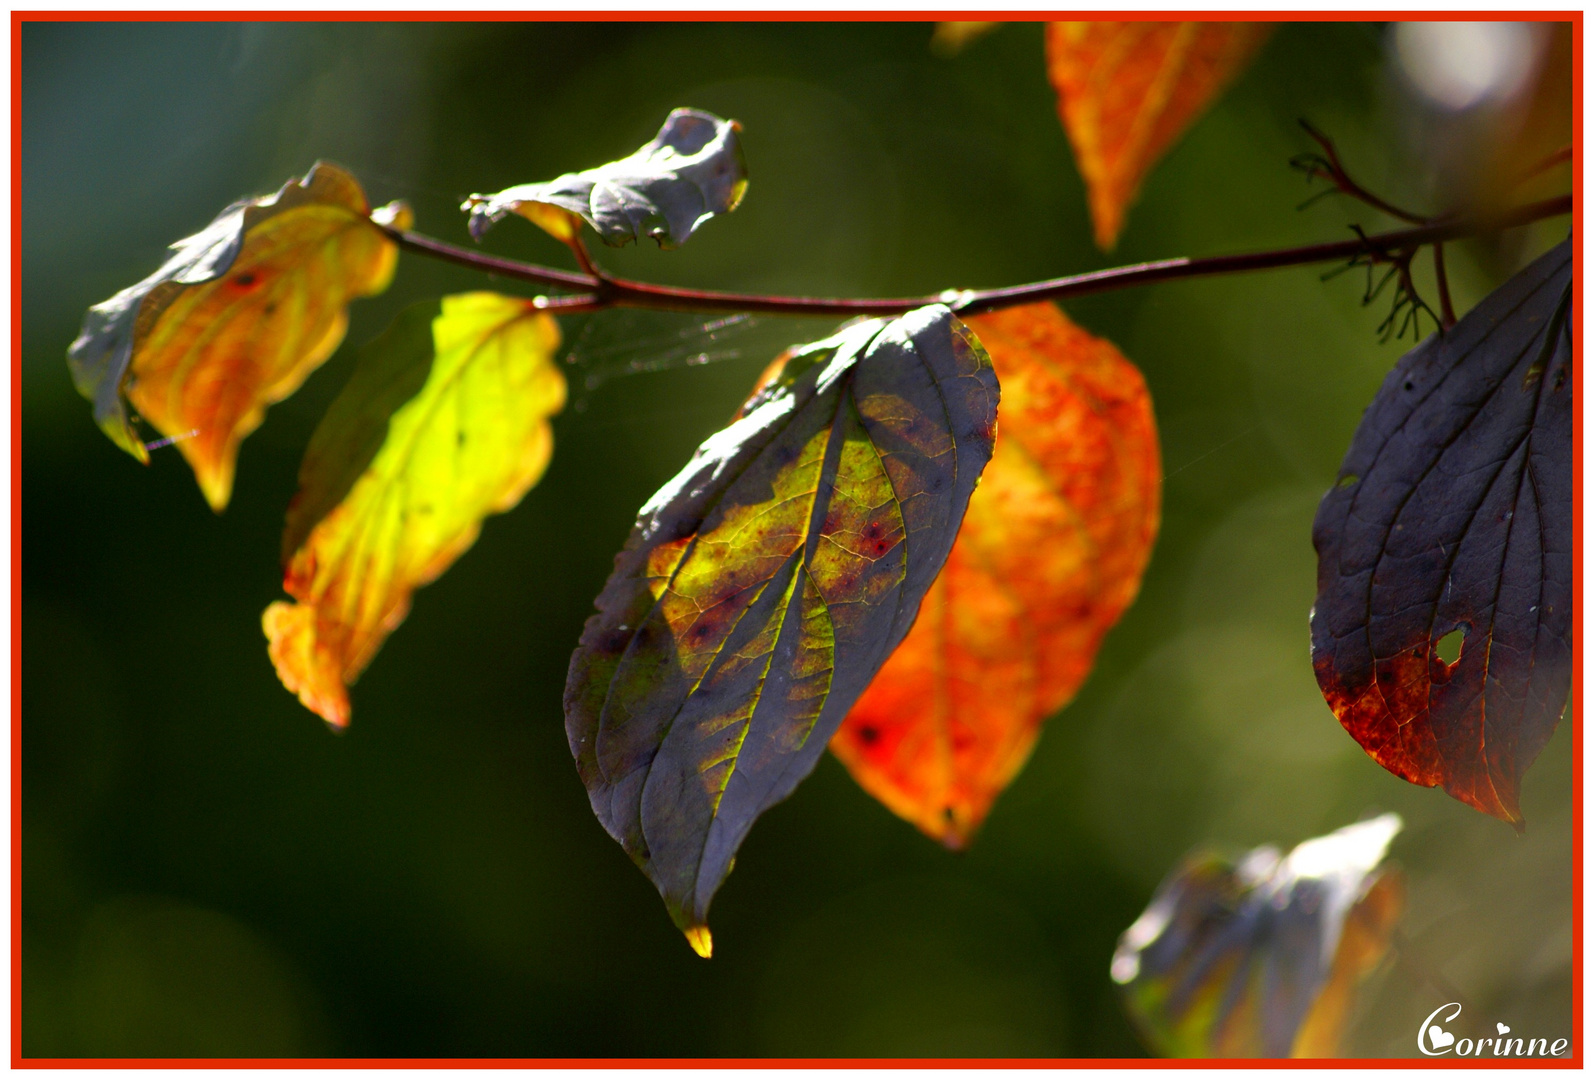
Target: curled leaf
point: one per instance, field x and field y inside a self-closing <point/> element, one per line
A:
<point x="1050" y="554"/>
<point x="1262" y="958"/>
<point x="1126" y="91"/>
<point x="690" y="171"/>
<point x="444" y="421"/>
<point x="1442" y="632"/>
<point x="764" y="586"/>
<point x="234" y="320"/>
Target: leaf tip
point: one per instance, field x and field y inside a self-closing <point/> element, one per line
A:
<point x="1106" y="219"/>
<point x="292" y="645"/>
<point x="701" y="940"/>
<point x="215" y="481"/>
<point x="956" y="840"/>
<point x="122" y="434"/>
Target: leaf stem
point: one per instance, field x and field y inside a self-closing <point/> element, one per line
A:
<point x="1447" y="312"/>
<point x="583" y="259"/>
<point x="601" y="291"/>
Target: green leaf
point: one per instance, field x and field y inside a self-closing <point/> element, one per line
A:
<point x="444" y="421"/>
<point x="764" y="586"/>
<point x="691" y="171"/>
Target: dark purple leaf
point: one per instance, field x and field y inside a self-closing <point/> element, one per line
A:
<point x="764" y="586"/>
<point x="1451" y="523"/>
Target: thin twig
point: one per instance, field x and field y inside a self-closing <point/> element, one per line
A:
<point x="1330" y="168"/>
<point x="610" y="292"/>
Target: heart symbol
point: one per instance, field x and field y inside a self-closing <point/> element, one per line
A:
<point x="1439" y="1037"/>
<point x="1502" y="1029"/>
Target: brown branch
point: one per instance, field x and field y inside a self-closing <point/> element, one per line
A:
<point x="607" y="292"/>
<point x="422" y="244"/>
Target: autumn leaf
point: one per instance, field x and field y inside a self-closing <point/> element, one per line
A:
<point x="1262" y="957"/>
<point x="1442" y="630"/>
<point x="764" y="586"/>
<point x="235" y="320"/>
<point x="1050" y="554"/>
<point x="691" y="171"/>
<point x="444" y="421"/>
<point x="1126" y="91"/>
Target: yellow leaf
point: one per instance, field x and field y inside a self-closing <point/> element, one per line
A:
<point x="444" y="421"/>
<point x="1127" y="90"/>
<point x="235" y="320"/>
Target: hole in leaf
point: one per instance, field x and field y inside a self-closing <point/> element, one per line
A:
<point x="1348" y="480"/>
<point x="1448" y="648"/>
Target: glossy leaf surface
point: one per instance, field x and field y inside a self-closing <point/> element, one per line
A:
<point x="444" y="421"/>
<point x="764" y="586"/>
<point x="235" y="320"/>
<point x="1452" y="517"/>
<point x="1261" y="958"/>
<point x="1050" y="554"/>
<point x="1126" y="92"/>
<point x="690" y="171"/>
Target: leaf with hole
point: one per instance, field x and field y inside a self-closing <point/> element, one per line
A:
<point x="235" y="320"/>
<point x="444" y="421"/>
<point x="1453" y="515"/>
<point x="691" y="171"/>
<point x="763" y="587"/>
<point x="1050" y="554"/>
<point x="1262" y="956"/>
<point x="1126" y="92"/>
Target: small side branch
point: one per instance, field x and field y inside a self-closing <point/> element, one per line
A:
<point x="1327" y="166"/>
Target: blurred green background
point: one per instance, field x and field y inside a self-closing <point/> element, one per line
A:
<point x="208" y="871"/>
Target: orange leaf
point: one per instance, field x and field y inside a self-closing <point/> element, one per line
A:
<point x="235" y="320"/>
<point x="1126" y="92"/>
<point x="1050" y="554"/>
